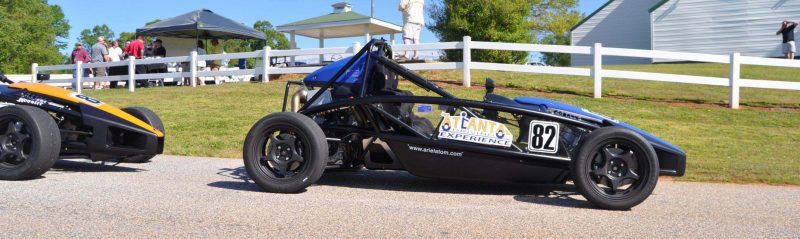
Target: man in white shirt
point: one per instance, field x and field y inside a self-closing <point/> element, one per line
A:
<point x="413" y="19"/>
<point x="114" y="52"/>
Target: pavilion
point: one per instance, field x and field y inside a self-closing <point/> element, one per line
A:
<point x="343" y="22"/>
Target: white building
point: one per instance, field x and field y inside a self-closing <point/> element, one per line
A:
<point x="698" y="26"/>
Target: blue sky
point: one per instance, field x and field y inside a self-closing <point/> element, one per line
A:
<point x="121" y="17"/>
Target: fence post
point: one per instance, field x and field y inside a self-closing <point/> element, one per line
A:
<point x="597" y="70"/>
<point x="467" y="60"/>
<point x="265" y="64"/>
<point x="193" y="68"/>
<point x="34" y="71"/>
<point x="78" y="86"/>
<point x="734" y="81"/>
<point x="131" y="73"/>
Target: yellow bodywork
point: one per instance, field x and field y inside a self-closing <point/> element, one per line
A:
<point x="73" y="97"/>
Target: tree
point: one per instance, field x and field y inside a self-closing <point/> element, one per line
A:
<point x="31" y="31"/>
<point x="275" y="39"/>
<point x="125" y="37"/>
<point x="551" y="21"/>
<point x="89" y="37"/>
<point x="483" y="20"/>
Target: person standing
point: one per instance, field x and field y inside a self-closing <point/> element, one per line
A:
<point x="135" y="50"/>
<point x="787" y="30"/>
<point x="158" y="49"/>
<point x="115" y="54"/>
<point x="413" y="20"/>
<point x="99" y="54"/>
<point x="79" y="54"/>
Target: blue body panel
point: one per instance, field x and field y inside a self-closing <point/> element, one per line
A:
<point x="355" y="74"/>
<point x="546" y="104"/>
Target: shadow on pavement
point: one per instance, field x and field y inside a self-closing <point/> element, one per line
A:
<point x="88" y="166"/>
<point x="238" y="180"/>
<point x="555" y="195"/>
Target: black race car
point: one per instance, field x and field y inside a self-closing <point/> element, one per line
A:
<point x="354" y="114"/>
<point x="40" y="124"/>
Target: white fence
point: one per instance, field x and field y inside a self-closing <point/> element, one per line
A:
<point x="734" y="82"/>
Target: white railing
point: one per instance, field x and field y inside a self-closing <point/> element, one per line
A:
<point x="596" y="71"/>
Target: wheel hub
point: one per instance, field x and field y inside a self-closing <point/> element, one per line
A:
<point x="617" y="168"/>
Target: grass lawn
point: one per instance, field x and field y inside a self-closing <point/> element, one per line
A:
<point x="751" y="145"/>
<point x="649" y="90"/>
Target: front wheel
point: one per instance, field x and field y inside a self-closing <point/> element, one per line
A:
<point x="149" y="117"/>
<point x="615" y="168"/>
<point x="285" y="152"/>
<point x="29" y="142"/>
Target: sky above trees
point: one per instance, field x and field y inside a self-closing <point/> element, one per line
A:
<point x="122" y="17"/>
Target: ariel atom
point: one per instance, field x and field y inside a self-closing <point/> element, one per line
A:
<point x="40" y="124"/>
<point x="353" y="114"/>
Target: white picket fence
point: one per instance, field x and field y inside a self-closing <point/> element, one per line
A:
<point x="734" y="82"/>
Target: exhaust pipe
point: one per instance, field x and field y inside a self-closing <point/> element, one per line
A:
<point x="299" y="97"/>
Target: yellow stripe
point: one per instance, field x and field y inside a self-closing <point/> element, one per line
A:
<point x="63" y="94"/>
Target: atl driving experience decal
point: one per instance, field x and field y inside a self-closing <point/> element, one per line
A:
<point x="86" y="99"/>
<point x="475" y="130"/>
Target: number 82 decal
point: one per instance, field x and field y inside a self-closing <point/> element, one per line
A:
<point x="543" y="137"/>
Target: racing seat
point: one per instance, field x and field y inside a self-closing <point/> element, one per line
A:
<point x="383" y="82"/>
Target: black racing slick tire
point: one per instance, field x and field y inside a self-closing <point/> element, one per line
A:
<point x="149" y="117"/>
<point x="615" y="168"/>
<point x="29" y="143"/>
<point x="285" y="152"/>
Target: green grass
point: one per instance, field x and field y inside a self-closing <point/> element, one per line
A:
<point x="649" y="90"/>
<point x="751" y="145"/>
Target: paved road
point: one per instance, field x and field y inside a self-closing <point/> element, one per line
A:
<point x="187" y="197"/>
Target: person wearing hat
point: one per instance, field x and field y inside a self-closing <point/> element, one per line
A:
<point x="79" y="54"/>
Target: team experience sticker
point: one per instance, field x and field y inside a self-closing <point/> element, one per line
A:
<point x="476" y="130"/>
<point x="543" y="137"/>
<point x="86" y="99"/>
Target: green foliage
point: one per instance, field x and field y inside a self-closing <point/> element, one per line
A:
<point x="89" y="37"/>
<point x="31" y="31"/>
<point x="275" y="39"/>
<point x="550" y="22"/>
<point x="125" y="37"/>
<point x="483" y="20"/>
<point x="555" y="59"/>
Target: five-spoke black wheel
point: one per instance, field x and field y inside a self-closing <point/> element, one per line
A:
<point x="29" y="142"/>
<point x="285" y="152"/>
<point x="615" y="168"/>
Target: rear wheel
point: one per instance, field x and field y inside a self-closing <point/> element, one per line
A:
<point x="615" y="168"/>
<point x="285" y="152"/>
<point x="29" y="143"/>
<point x="149" y="117"/>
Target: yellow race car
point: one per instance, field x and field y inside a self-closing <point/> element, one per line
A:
<point x="40" y="124"/>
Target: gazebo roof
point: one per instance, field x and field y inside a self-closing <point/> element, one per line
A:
<point x="341" y="24"/>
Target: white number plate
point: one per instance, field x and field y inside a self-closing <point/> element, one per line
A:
<point x="543" y="137"/>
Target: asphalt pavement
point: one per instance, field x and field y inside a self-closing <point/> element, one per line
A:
<point x="191" y="197"/>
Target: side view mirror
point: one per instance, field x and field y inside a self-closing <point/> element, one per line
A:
<point x="489" y="85"/>
<point x="42" y="76"/>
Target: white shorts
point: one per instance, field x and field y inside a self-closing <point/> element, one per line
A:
<point x="411" y="31"/>
<point x="789" y="47"/>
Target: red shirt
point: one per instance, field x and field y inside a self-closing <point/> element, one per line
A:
<point x="80" y="55"/>
<point x="135" y="49"/>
